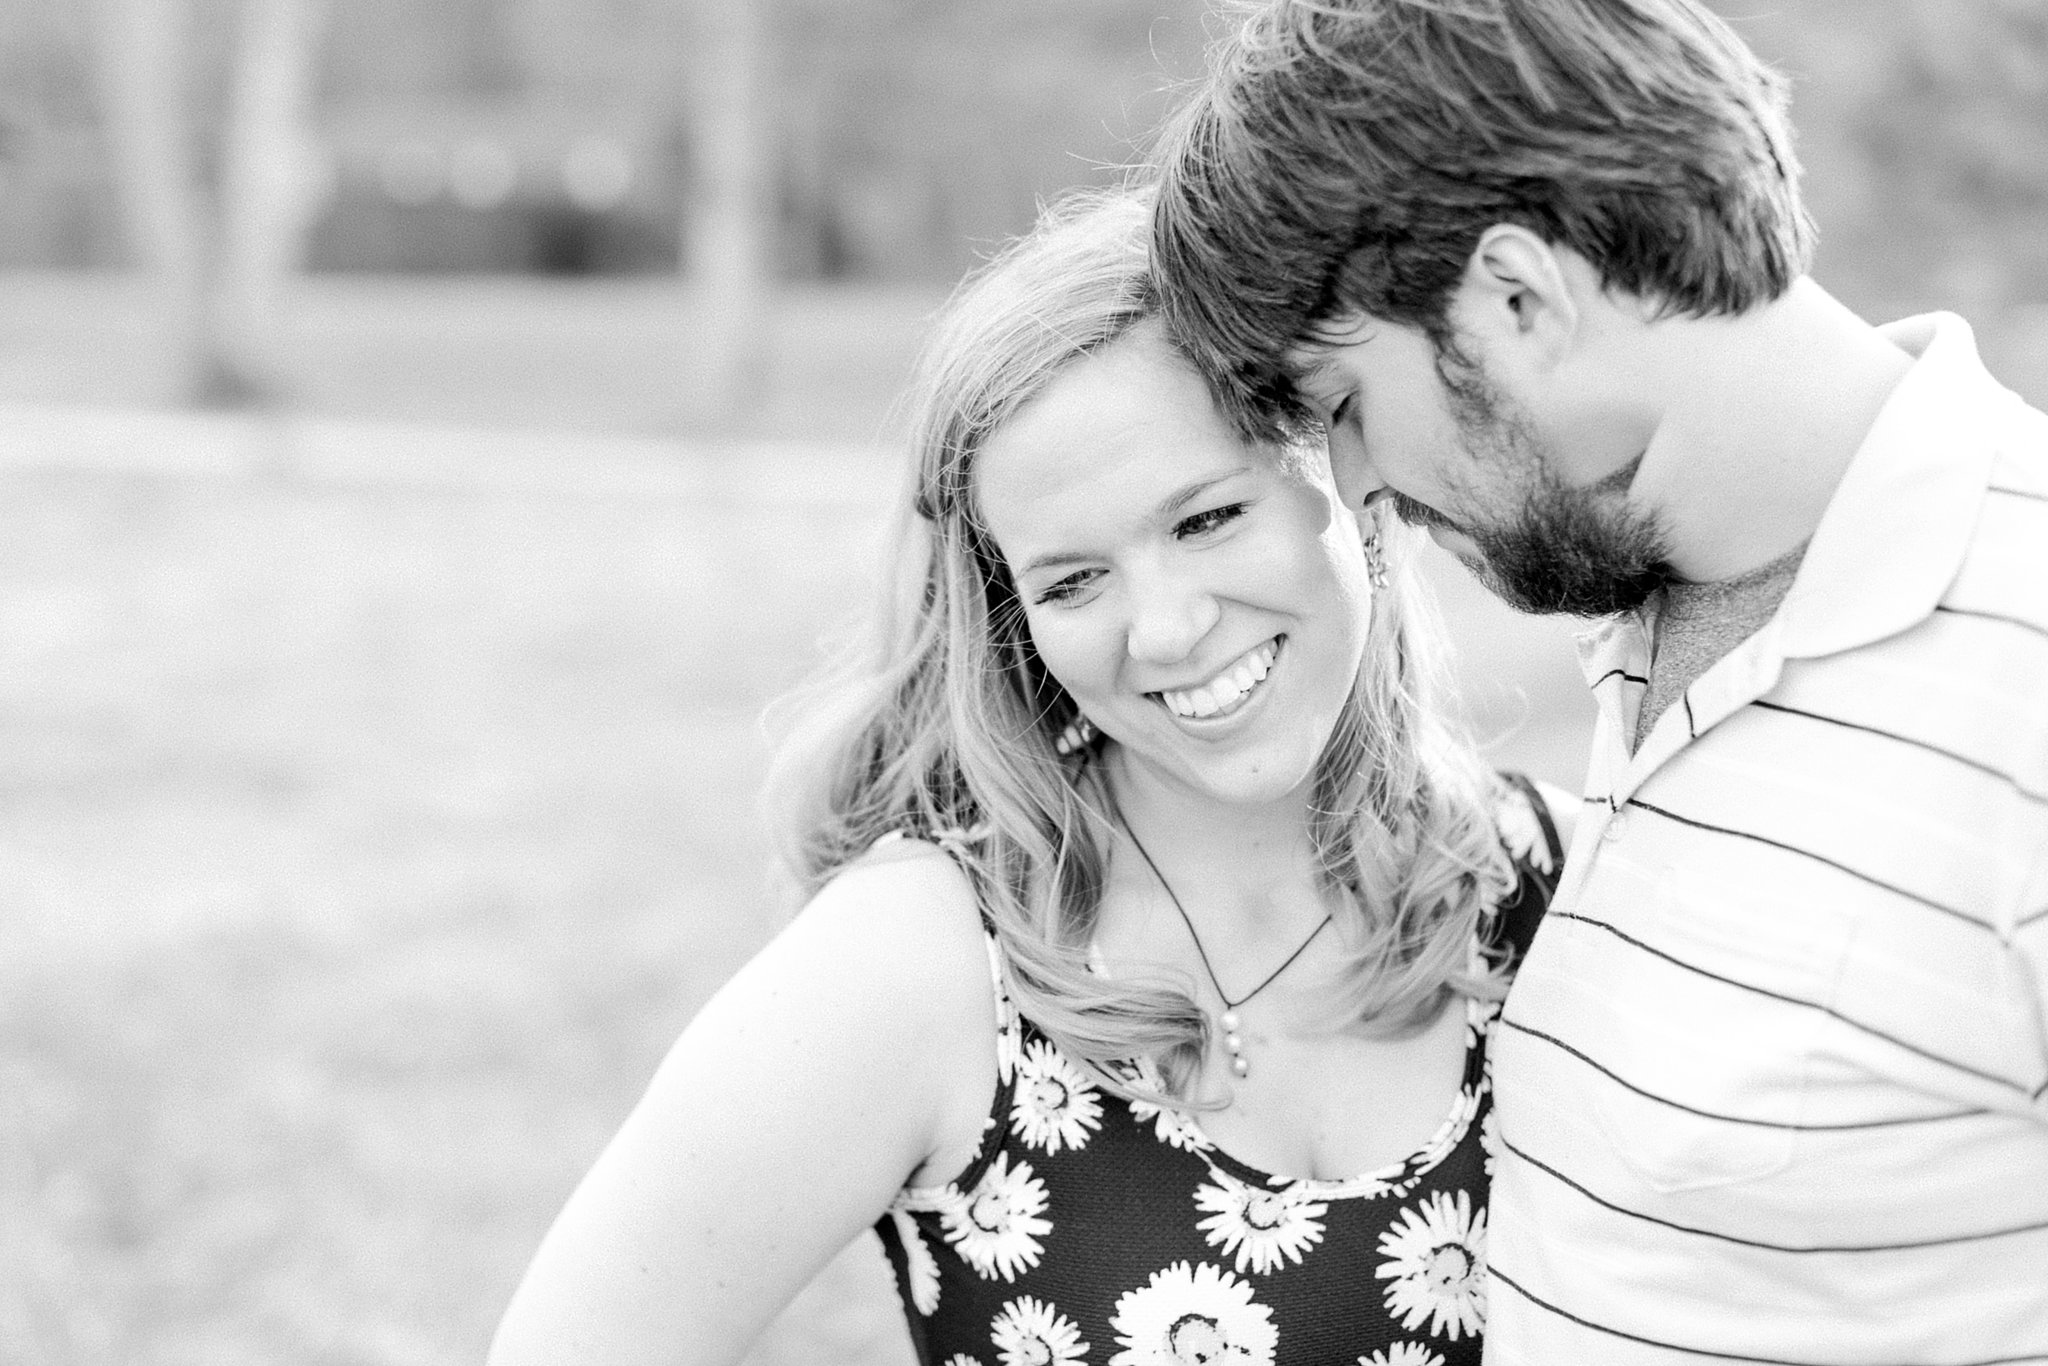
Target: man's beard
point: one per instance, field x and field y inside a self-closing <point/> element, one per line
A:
<point x="1580" y="551"/>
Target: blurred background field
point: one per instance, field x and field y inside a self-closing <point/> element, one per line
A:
<point x="390" y="586"/>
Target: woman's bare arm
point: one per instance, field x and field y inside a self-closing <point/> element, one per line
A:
<point x="836" y="1063"/>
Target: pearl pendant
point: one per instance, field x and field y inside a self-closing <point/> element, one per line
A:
<point x="1234" y="1042"/>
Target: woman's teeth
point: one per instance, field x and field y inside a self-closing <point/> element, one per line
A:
<point x="1227" y="689"/>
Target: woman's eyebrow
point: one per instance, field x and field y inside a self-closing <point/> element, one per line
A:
<point x="1187" y="495"/>
<point x="1058" y="559"/>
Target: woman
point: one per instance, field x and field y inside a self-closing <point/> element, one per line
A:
<point x="1155" y="922"/>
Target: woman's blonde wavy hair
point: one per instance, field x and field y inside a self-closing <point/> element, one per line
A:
<point x="940" y="719"/>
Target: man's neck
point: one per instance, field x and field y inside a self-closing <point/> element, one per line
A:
<point x="1765" y="411"/>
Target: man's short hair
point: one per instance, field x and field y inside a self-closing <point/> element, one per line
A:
<point x="1345" y="157"/>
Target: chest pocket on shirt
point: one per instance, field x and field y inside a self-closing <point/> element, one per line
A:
<point x="1715" y="1008"/>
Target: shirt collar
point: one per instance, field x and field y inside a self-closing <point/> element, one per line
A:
<point x="1887" y="548"/>
<point x="1895" y="533"/>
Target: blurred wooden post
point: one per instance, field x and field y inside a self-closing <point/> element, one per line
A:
<point x="271" y="183"/>
<point x="143" y="48"/>
<point x="218" y="263"/>
<point x="728" y="223"/>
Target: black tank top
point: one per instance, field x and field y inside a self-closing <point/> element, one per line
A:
<point x="1094" y="1229"/>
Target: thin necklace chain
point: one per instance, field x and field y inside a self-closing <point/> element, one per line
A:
<point x="1203" y="953"/>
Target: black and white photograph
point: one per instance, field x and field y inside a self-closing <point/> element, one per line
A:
<point x="1023" y="682"/>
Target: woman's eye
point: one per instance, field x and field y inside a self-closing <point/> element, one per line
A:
<point x="1208" y="521"/>
<point x="1342" y="412"/>
<point x="1065" y="590"/>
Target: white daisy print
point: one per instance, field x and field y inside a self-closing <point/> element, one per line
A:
<point x="1188" y="1315"/>
<point x="921" y="1266"/>
<point x="1436" y="1266"/>
<point x="1031" y="1332"/>
<point x="1008" y="1034"/>
<point x="1403" y="1354"/>
<point x="1479" y="1015"/>
<point x="997" y="1226"/>
<point x="1265" y="1228"/>
<point x="1521" y="831"/>
<point x="1009" y="1047"/>
<point x="961" y="1359"/>
<point x="1393" y="1181"/>
<point x="1124" y="1070"/>
<point x="1054" y="1106"/>
<point x="1172" y="1127"/>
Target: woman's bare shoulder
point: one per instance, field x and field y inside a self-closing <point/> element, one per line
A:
<point x="904" y="916"/>
<point x="906" y="882"/>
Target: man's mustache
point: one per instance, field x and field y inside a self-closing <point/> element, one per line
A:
<point x="1417" y="514"/>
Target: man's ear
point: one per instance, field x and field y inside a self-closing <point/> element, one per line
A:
<point x="1516" y="298"/>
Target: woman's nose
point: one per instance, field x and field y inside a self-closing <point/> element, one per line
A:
<point x="1169" y="617"/>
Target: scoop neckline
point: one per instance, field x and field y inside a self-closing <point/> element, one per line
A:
<point x="1381" y="1180"/>
<point x="1366" y="1185"/>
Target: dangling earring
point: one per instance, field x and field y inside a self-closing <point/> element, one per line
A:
<point x="1375" y="557"/>
<point x="1079" y="734"/>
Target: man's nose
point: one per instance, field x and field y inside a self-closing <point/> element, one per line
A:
<point x="1356" y="478"/>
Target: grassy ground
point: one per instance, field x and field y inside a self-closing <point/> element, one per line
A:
<point x="362" y="844"/>
<point x="376" y="801"/>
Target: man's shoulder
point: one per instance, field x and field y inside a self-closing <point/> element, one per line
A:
<point x="2005" y="568"/>
<point x="1967" y="681"/>
<point x="2018" y="433"/>
<point x="1997" y="448"/>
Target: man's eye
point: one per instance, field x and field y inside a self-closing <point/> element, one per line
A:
<point x="1208" y="521"/>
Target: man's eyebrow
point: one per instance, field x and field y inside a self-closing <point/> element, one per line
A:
<point x="1173" y="503"/>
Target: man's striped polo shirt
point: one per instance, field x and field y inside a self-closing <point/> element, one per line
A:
<point x="1772" y="1085"/>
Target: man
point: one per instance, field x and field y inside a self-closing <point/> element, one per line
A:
<point x="1773" y="1081"/>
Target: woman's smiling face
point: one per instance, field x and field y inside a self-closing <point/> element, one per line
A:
<point x="1204" y="603"/>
